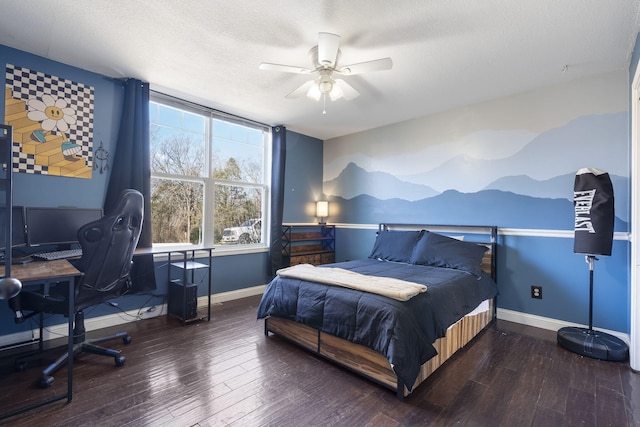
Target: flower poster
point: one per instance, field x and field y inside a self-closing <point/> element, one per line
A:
<point x="52" y="120"/>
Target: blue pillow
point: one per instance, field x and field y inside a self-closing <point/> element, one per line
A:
<point x="395" y="245"/>
<point x="441" y="251"/>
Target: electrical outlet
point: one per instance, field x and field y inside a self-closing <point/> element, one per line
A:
<point x="536" y="292"/>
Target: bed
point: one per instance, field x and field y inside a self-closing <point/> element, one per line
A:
<point x="423" y="293"/>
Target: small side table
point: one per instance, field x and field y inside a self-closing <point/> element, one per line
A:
<point x="182" y="301"/>
<point x="187" y="264"/>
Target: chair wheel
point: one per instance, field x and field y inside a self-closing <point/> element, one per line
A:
<point x="46" y="381"/>
<point x="126" y="339"/>
<point x="120" y="360"/>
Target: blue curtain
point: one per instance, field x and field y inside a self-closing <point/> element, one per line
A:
<point x="278" y="160"/>
<point x="131" y="168"/>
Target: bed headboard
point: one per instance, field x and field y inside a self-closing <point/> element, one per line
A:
<point x="486" y="235"/>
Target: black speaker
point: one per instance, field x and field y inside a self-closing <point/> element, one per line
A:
<point x="183" y="301"/>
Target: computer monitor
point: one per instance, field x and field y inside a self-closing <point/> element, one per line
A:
<point x="57" y="226"/>
<point x="18" y="235"/>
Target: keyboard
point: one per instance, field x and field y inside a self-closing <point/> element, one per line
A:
<point x="50" y="256"/>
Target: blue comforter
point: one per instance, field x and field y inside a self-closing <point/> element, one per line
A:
<point x="403" y="331"/>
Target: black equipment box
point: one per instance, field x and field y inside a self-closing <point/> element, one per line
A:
<point x="183" y="301"/>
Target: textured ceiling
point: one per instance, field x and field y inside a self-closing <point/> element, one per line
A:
<point x="446" y="53"/>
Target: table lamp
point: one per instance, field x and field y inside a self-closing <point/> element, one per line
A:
<point x="322" y="210"/>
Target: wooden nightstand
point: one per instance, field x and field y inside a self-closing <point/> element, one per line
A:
<point x="308" y="244"/>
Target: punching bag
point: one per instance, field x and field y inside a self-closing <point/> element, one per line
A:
<point x="594" y="220"/>
<point x="594" y="212"/>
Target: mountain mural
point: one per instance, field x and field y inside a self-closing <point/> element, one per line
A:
<point x="488" y="207"/>
<point x="555" y="152"/>
<point x="354" y="181"/>
<point x="561" y="187"/>
<point x="542" y="173"/>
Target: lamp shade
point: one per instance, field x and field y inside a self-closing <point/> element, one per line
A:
<point x="594" y="212"/>
<point x="322" y="209"/>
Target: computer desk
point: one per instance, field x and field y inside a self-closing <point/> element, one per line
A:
<point x="42" y="273"/>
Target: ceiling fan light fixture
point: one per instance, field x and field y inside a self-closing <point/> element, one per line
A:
<point x="325" y="86"/>
<point x="346" y="90"/>
<point x="336" y="93"/>
<point x="314" y="92"/>
<point x="325" y="57"/>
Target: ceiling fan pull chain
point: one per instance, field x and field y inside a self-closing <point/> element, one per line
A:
<point x="324" y="103"/>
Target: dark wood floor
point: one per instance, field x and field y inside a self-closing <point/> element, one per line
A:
<point x="226" y="372"/>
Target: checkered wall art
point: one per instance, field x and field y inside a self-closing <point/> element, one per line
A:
<point x="52" y="121"/>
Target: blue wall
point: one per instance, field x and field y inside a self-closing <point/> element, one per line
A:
<point x="230" y="272"/>
<point x="43" y="190"/>
<point x="509" y="162"/>
<point x="546" y="261"/>
<point x="303" y="178"/>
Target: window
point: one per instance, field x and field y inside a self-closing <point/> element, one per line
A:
<point x="208" y="175"/>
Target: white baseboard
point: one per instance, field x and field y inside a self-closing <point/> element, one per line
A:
<point x="8" y="341"/>
<point x="233" y="295"/>
<point x="115" y="319"/>
<point x="549" y="323"/>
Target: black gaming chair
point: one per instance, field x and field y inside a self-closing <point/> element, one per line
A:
<point x="107" y="251"/>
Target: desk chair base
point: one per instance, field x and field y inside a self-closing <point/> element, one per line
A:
<point x="85" y="347"/>
<point x="81" y="345"/>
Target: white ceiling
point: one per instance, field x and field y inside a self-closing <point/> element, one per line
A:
<point x="446" y="53"/>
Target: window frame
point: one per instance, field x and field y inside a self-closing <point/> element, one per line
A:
<point x="209" y="183"/>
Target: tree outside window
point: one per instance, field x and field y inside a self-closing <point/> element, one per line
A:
<point x="208" y="181"/>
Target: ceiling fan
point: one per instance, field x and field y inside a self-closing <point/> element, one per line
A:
<point x="325" y="58"/>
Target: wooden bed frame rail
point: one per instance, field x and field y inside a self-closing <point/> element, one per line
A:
<point x="371" y="364"/>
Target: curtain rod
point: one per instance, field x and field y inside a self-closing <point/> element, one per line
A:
<point x="204" y="107"/>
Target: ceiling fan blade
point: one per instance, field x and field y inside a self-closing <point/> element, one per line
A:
<point x="348" y="92"/>
<point x="328" y="49"/>
<point x="301" y="90"/>
<point x="284" y="68"/>
<point x="365" y="67"/>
